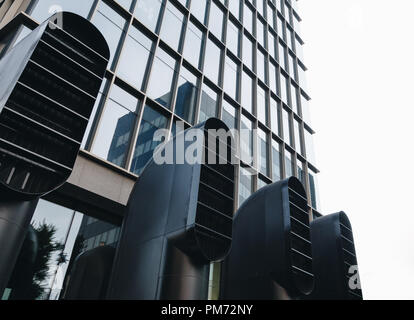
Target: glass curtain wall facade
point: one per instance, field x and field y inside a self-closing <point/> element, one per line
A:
<point x="187" y="60"/>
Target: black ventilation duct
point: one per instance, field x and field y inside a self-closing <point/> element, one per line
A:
<point x="90" y="275"/>
<point x="271" y="256"/>
<point x="335" y="261"/>
<point x="48" y="86"/>
<point x="179" y="219"/>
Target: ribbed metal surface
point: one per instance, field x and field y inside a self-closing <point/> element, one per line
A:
<point x="44" y="119"/>
<point x="214" y="218"/>
<point x="349" y="256"/>
<point x="300" y="240"/>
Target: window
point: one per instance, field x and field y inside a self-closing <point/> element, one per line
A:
<point x="272" y="77"/>
<point x="172" y="25"/>
<point x="198" y="9"/>
<point x="145" y="146"/>
<point x="271" y="45"/>
<point x="260" y="33"/>
<point x="302" y="78"/>
<point x="216" y="21"/>
<point x="99" y="101"/>
<point x="292" y="67"/>
<point x="288" y="164"/>
<point x="247" y="52"/>
<point x="231" y="76"/>
<point x="246" y="140"/>
<point x="135" y="55"/>
<point x="298" y="139"/>
<point x="116" y="126"/>
<point x="112" y="26"/>
<point x="209" y="103"/>
<point x="62" y="235"/>
<point x="263" y="153"/>
<point x="274" y="116"/>
<point x="282" y="56"/>
<point x="261" y="66"/>
<point x="271" y="17"/>
<point x="246" y="92"/>
<point x="309" y="145"/>
<point x="281" y="29"/>
<point x="233" y="38"/>
<point x="262" y="105"/>
<point x="248" y="19"/>
<point x="286" y="127"/>
<point x="147" y="12"/>
<point x="234" y="7"/>
<point x="259" y="7"/>
<point x="212" y="61"/>
<point x="230" y="115"/>
<point x="192" y="45"/>
<point x="40" y="11"/>
<point x="187" y="94"/>
<point x="261" y="183"/>
<point x="313" y="189"/>
<point x="301" y="172"/>
<point x="163" y="68"/>
<point x="284" y="88"/>
<point x="276" y="156"/>
<point x="245" y="185"/>
<point x="127" y="4"/>
<point x="304" y="103"/>
<point x="294" y="98"/>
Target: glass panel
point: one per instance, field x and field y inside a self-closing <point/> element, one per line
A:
<point x="134" y="59"/>
<point x="192" y="45"/>
<point x="145" y="146"/>
<point x="294" y="98"/>
<point x="284" y="88"/>
<point x="116" y="126"/>
<point x="261" y="66"/>
<point x="198" y="9"/>
<point x="127" y="4"/>
<point x="101" y="96"/>
<point x="274" y="116"/>
<point x="233" y="38"/>
<point x="212" y="61"/>
<point x="40" y="11"/>
<point x="298" y="145"/>
<point x="172" y="25"/>
<point x="187" y="94"/>
<point x="230" y="115"/>
<point x="246" y="185"/>
<point x="56" y="237"/>
<point x="163" y="68"/>
<point x="261" y="183"/>
<point x="112" y="25"/>
<point x="261" y="105"/>
<point x="301" y="172"/>
<point x="248" y="19"/>
<point x="246" y="140"/>
<point x="286" y="127"/>
<point x="288" y="164"/>
<point x="272" y="77"/>
<point x="282" y="56"/>
<point x="234" y="7"/>
<point x="305" y="109"/>
<point x="246" y="92"/>
<point x="147" y="12"/>
<point x="247" y="52"/>
<point x="208" y="106"/>
<point x="302" y="78"/>
<point x="313" y="190"/>
<point x="310" y="151"/>
<point x="216" y="21"/>
<point x="263" y="153"/>
<point x="276" y="167"/>
<point x="271" y="16"/>
<point x="260" y="33"/>
<point x="231" y="76"/>
<point x="292" y="67"/>
<point x="281" y="29"/>
<point x="271" y="45"/>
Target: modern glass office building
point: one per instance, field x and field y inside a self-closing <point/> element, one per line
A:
<point x="171" y="60"/>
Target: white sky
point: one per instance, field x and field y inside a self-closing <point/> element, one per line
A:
<point x="360" y="59"/>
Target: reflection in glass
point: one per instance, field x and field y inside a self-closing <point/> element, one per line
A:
<point x="147" y="12"/>
<point x="231" y="72"/>
<point x="298" y="145"/>
<point x="212" y="61"/>
<point x="310" y="151"/>
<point x="163" y="68"/>
<point x="276" y="159"/>
<point x="229" y="115"/>
<point x="40" y="11"/>
<point x="313" y="190"/>
<point x="263" y="153"/>
<point x="216" y="21"/>
<point x="261" y="105"/>
<point x="134" y="58"/>
<point x="245" y="186"/>
<point x="286" y="127"/>
<point x="246" y="140"/>
<point x="145" y="146"/>
<point x="208" y="105"/>
<point x="56" y="237"/>
<point x="247" y="52"/>
<point x="192" y="45"/>
<point x="274" y="116"/>
<point x="187" y="94"/>
<point x="172" y="25"/>
<point x="233" y="38"/>
<point x="288" y="164"/>
<point x="261" y="66"/>
<point x="246" y="92"/>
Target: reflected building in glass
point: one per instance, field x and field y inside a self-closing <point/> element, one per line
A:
<point x="175" y="60"/>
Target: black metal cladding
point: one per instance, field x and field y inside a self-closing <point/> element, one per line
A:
<point x="179" y="219"/>
<point x="334" y="254"/>
<point x="48" y="86"/>
<point x="271" y="256"/>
